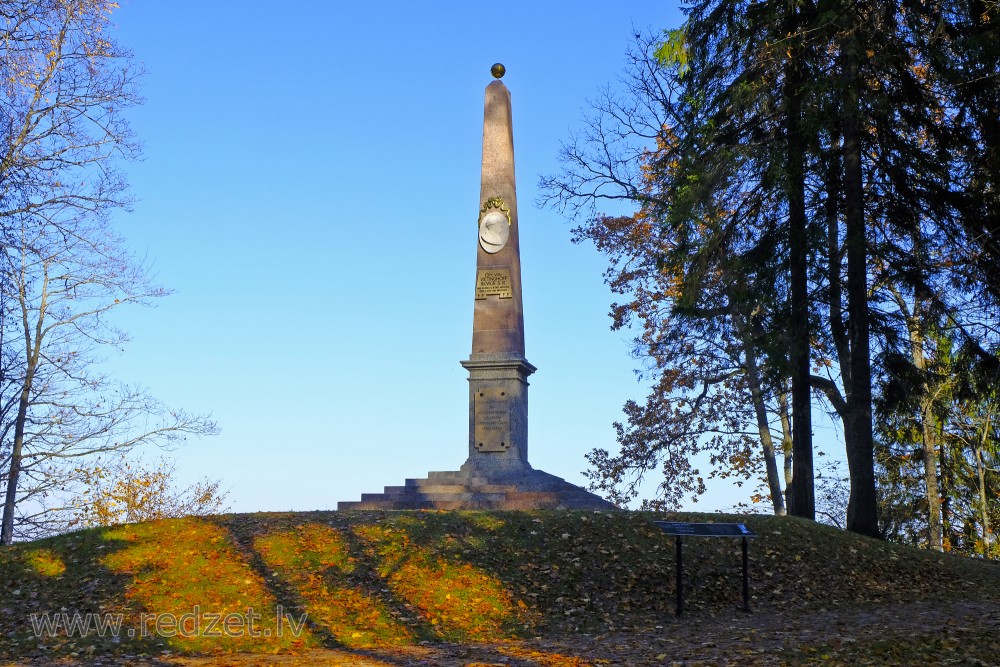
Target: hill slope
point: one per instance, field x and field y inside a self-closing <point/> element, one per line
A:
<point x="362" y="582"/>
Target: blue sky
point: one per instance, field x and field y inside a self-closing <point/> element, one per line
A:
<point x="310" y="190"/>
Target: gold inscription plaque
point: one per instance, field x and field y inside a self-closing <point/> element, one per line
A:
<point x="492" y="420"/>
<point x="493" y="281"/>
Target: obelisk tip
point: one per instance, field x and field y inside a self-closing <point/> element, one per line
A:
<point x="498" y="70"/>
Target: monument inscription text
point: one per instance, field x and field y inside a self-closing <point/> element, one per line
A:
<point x="492" y="420"/>
<point x="493" y="281"/>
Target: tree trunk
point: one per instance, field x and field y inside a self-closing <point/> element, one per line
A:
<point x="928" y="439"/>
<point x="983" y="500"/>
<point x="32" y="349"/>
<point x="835" y="264"/>
<point x="931" y="475"/>
<point x="943" y="490"/>
<point x="862" y="507"/>
<point x="786" y="444"/>
<point x="803" y="493"/>
<point x="760" y="411"/>
<point x="17" y="451"/>
<point x="10" y="497"/>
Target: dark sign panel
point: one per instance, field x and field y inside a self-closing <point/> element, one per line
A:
<point x="705" y="529"/>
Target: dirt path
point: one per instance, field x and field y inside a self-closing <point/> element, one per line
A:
<point x="761" y="638"/>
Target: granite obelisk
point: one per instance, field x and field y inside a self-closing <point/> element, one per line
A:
<point x="496" y="474"/>
<point x="498" y="371"/>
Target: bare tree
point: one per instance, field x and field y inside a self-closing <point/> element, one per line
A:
<point x="63" y="268"/>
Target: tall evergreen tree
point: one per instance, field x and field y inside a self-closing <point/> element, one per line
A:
<point x="828" y="179"/>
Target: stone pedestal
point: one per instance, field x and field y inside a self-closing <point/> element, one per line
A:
<point x="498" y="414"/>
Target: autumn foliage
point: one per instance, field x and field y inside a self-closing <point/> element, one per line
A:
<point x="121" y="489"/>
<point x="382" y="581"/>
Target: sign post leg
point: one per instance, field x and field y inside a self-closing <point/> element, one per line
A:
<point x="680" y="585"/>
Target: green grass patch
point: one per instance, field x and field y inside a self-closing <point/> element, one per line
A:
<point x="315" y="562"/>
<point x="195" y="590"/>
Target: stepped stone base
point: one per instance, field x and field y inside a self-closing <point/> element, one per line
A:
<point x="525" y="489"/>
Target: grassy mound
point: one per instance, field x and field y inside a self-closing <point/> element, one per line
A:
<point x="288" y="582"/>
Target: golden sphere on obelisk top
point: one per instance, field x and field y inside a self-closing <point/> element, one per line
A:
<point x="498" y="70"/>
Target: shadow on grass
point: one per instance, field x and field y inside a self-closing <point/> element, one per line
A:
<point x="193" y="588"/>
<point x="368" y="584"/>
<point x="324" y="574"/>
<point x="278" y="586"/>
<point x="58" y="599"/>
